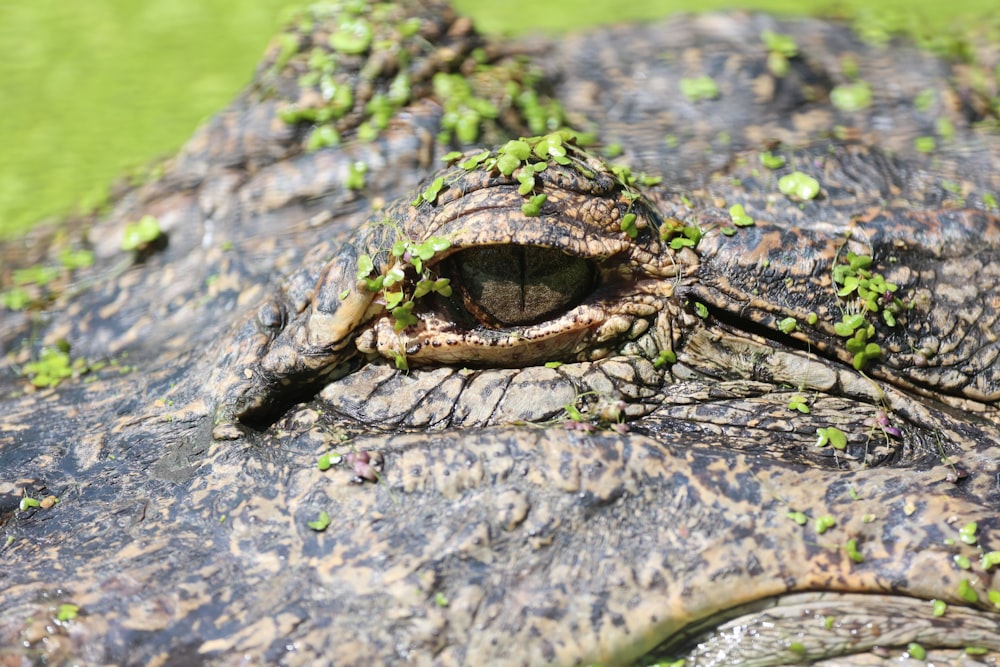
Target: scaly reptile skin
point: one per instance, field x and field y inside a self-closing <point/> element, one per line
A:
<point x="684" y="511"/>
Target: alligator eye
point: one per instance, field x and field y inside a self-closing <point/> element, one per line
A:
<point x="521" y="284"/>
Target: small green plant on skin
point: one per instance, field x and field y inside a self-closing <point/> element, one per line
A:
<point x="365" y="35"/>
<point x="780" y="49"/>
<point x="993" y="596"/>
<point x="29" y="283"/>
<point x="916" y="651"/>
<point x="320" y="524"/>
<point x="16" y="298"/>
<point x="664" y="357"/>
<point x="772" y="161"/>
<point x="27" y="502"/>
<point x="798" y="517"/>
<point x="798" y="186"/>
<point x="533" y="207"/>
<point x="833" y="436"/>
<point x="140" y="235"/>
<point x="612" y="150"/>
<point x="328" y="460"/>
<point x="608" y="414"/>
<point x="798" y="403"/>
<point x="788" y="325"/>
<point x="967" y="533"/>
<point x="397" y="291"/>
<point x="924" y="99"/>
<point x="525" y="158"/>
<point x="54" y="365"/>
<point x="824" y="523"/>
<point x="356" y="175"/>
<point x="353" y="36"/>
<point x="680" y="235"/>
<point x="37" y="275"/>
<point x="939" y="607"/>
<point x="852" y="97"/>
<point x="739" y="216"/>
<point x="867" y="293"/>
<point x="699" y="88"/>
<point x="324" y="136"/>
<point x="463" y="110"/>
<point x="67" y="612"/>
<point x="76" y="259"/>
<point x="944" y="128"/>
<point x="628" y="225"/>
<point x="430" y="193"/>
<point x="925" y="144"/>
<point x="967" y="592"/>
<point x="852" y="551"/>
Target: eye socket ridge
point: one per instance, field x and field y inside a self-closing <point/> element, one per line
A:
<point x="516" y="285"/>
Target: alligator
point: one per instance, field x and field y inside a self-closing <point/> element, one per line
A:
<point x="399" y="362"/>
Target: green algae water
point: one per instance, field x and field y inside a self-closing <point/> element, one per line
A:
<point x="92" y="90"/>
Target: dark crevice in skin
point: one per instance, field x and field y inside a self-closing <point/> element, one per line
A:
<point x="263" y="418"/>
<point x="298" y="391"/>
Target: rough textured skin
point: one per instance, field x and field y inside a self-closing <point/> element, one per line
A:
<point x="498" y="531"/>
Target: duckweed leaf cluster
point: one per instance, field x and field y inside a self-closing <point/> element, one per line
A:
<point x="376" y="61"/>
<point x="865" y="294"/>
<point x="665" y="357"/>
<point x="524" y="159"/>
<point x="833" y="436"/>
<point x="852" y="97"/>
<point x="67" y="612"/>
<point x="356" y="176"/>
<point x="321" y="523"/>
<point x="328" y="460"/>
<point x="853" y="552"/>
<point x="799" y="186"/>
<point x="34" y="285"/>
<point x="799" y="403"/>
<point x="739" y="216"/>
<point x="406" y="279"/>
<point x="824" y="523"/>
<point x="788" y="325"/>
<point x="605" y="414"/>
<point x="699" y="88"/>
<point x="54" y="365"/>
<point x="140" y="235"/>
<point x="27" y="502"/>
<point x="780" y="49"/>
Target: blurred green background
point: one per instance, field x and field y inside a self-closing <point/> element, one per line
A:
<point x="91" y="89"/>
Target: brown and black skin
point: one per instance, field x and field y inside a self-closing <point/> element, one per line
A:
<point x="491" y="543"/>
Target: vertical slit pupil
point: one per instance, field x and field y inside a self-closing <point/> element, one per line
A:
<point x="523" y="284"/>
